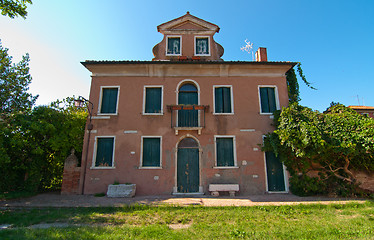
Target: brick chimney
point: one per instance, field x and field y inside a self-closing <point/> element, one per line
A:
<point x="261" y="55"/>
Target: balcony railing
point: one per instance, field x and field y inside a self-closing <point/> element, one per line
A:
<point x="187" y="117"/>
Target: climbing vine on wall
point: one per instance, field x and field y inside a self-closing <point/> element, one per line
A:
<point x="293" y="85"/>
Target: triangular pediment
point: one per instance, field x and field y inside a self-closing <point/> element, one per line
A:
<point x="188" y="22"/>
<point x="188" y="25"/>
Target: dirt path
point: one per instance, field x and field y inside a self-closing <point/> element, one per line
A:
<point x="57" y="200"/>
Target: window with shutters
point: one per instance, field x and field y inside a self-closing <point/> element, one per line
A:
<point x="151" y="152"/>
<point x="225" y="151"/>
<point x="109" y="100"/>
<point x="202" y="46"/>
<point x="153" y="100"/>
<point x="104" y="152"/>
<point x="223" y="100"/>
<point x="268" y="99"/>
<point x="174" y="46"/>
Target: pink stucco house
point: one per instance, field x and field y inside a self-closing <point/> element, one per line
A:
<point x="185" y="120"/>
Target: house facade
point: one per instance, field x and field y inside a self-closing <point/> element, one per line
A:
<point x="364" y="110"/>
<point x="184" y="120"/>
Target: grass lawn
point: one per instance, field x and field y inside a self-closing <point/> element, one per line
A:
<point x="316" y="221"/>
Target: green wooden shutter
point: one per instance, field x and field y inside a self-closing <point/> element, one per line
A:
<point x="271" y="96"/>
<point x="274" y="171"/>
<point x="109" y="100"/>
<point x="226" y="99"/>
<point x="188" y="118"/>
<point x="264" y="100"/>
<point x="151" y="152"/>
<point x="268" y="103"/>
<point x="225" y="152"/>
<point x="153" y="100"/>
<point x="222" y="100"/>
<point x="104" y="152"/>
<point x="218" y="93"/>
<point x="188" y="170"/>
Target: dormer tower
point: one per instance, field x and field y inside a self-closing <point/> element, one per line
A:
<point x="188" y="38"/>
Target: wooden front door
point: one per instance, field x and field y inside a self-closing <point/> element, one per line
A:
<point x="275" y="173"/>
<point x="188" y="166"/>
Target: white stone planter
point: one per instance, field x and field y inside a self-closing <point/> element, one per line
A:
<point x="121" y="190"/>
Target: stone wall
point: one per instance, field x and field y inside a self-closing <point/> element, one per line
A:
<point x="71" y="175"/>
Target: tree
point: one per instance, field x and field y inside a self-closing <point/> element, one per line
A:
<point x="33" y="149"/>
<point x="14" y="8"/>
<point x="334" y="144"/>
<point x="14" y="84"/>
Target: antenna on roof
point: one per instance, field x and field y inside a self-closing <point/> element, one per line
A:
<point x="248" y="48"/>
<point x="358" y="99"/>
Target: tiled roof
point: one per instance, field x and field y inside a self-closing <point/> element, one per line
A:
<point x="361" y="107"/>
<point x="92" y="62"/>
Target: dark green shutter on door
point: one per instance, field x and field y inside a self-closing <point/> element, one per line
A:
<point x="225" y="152"/>
<point x="109" y="100"/>
<point x="151" y="152"/>
<point x="153" y="100"/>
<point x="104" y="152"/>
<point x="268" y="104"/>
<point x="188" y="118"/>
<point x="275" y="174"/>
<point x="222" y="100"/>
<point x="188" y="170"/>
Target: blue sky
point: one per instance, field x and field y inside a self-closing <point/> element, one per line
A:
<point x="334" y="40"/>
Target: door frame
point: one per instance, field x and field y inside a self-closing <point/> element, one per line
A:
<point x="175" y="188"/>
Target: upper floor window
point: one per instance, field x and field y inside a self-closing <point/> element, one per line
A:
<point x="152" y="100"/>
<point x="173" y="45"/>
<point x="268" y="100"/>
<point x="202" y="46"/>
<point x="109" y="100"/>
<point x="223" y="103"/>
<point x="104" y="152"/>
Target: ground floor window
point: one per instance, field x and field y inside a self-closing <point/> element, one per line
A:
<point x="225" y="151"/>
<point x="151" y="156"/>
<point x="104" y="152"/>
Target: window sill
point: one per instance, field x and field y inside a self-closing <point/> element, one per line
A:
<point x="107" y="114"/>
<point x="173" y="55"/>
<point x="153" y="114"/>
<point x="102" y="168"/>
<point x="223" y="113"/>
<point x="149" y="168"/>
<point x="100" y="117"/>
<point x="233" y="167"/>
<point x="202" y="55"/>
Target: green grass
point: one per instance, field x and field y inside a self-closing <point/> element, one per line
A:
<point x="16" y="194"/>
<point x="334" y="221"/>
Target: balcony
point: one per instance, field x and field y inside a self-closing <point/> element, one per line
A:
<point x="187" y="117"/>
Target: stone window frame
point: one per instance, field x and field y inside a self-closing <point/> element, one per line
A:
<point x="145" y="95"/>
<point x="167" y="43"/>
<point x="233" y="137"/>
<point x="275" y="95"/>
<point x="95" y="152"/>
<point x="141" y="153"/>
<point x="231" y="99"/>
<point x="209" y="48"/>
<point x="101" y="99"/>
